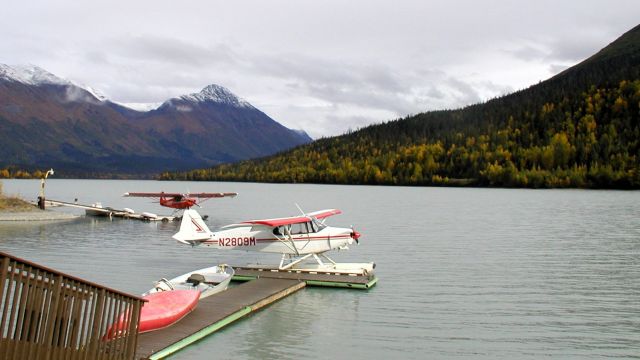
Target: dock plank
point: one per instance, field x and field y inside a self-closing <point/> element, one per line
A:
<point x="251" y="296"/>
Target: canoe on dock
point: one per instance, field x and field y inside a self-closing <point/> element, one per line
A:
<point x="207" y="281"/>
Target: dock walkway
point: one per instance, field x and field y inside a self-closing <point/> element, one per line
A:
<point x="213" y="313"/>
<point x="263" y="286"/>
<point x="35" y="215"/>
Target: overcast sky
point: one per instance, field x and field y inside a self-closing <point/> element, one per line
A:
<point x="324" y="66"/>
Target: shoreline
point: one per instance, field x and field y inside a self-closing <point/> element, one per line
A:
<point x="46" y="215"/>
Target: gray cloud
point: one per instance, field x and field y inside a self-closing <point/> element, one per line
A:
<point x="529" y="53"/>
<point x="168" y="50"/>
<point x="322" y="66"/>
<point x="74" y="94"/>
<point x="434" y="93"/>
<point x="564" y="47"/>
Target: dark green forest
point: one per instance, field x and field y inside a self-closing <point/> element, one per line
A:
<point x="578" y="129"/>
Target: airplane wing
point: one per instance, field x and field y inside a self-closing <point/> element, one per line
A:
<point x="149" y="194"/>
<point x="324" y="213"/>
<point x="167" y="194"/>
<point x="295" y="219"/>
<point x="212" y="195"/>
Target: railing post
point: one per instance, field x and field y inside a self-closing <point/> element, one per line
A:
<point x="97" y="321"/>
<point x="133" y="328"/>
<point x="11" y="326"/>
<point x="50" y="288"/>
<point x="53" y="316"/>
<point x="3" y="280"/>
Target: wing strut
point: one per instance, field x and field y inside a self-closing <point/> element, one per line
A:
<point x="288" y="257"/>
<point x="287" y="239"/>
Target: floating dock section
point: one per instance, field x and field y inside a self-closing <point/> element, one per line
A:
<point x="212" y="314"/>
<point x="262" y="287"/>
<point x="110" y="212"/>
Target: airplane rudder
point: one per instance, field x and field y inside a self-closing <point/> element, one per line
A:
<point x="198" y="222"/>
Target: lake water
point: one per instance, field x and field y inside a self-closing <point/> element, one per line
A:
<point x="463" y="273"/>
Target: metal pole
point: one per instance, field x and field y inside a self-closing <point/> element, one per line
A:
<point x="41" y="197"/>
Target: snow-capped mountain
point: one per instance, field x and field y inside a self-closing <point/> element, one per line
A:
<point x="30" y="75"/>
<point x="217" y="94"/>
<point x="52" y="122"/>
<point x="36" y="76"/>
<point x="240" y="131"/>
<point x="211" y="95"/>
<point x="95" y="92"/>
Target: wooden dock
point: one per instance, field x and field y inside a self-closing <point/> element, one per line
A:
<point x="111" y="213"/>
<point x="213" y="313"/>
<point x="262" y="287"/>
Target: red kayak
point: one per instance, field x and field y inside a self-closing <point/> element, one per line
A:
<point x="161" y="310"/>
<point x="166" y="307"/>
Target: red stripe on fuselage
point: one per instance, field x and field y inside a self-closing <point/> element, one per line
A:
<point x="315" y="238"/>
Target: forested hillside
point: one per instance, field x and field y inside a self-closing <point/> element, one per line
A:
<point x="578" y="129"/>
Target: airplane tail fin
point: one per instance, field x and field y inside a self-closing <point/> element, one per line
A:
<point x="193" y="230"/>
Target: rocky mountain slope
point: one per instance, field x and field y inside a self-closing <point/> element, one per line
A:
<point x="46" y="121"/>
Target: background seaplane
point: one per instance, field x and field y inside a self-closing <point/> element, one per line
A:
<point x="296" y="238"/>
<point x="180" y="201"/>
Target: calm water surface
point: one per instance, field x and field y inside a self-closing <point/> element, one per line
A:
<point x="464" y="273"/>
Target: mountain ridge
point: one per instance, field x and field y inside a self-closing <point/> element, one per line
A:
<point x="49" y="121"/>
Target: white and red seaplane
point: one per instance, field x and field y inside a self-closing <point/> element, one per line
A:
<point x="297" y="238"/>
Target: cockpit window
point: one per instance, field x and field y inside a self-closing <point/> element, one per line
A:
<point x="318" y="225"/>
<point x="283" y="230"/>
<point x="298" y="229"/>
<point x="311" y="227"/>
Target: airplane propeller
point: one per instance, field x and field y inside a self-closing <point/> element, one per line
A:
<point x="355" y="235"/>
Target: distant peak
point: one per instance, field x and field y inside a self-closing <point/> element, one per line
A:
<point x="35" y="75"/>
<point x="218" y="94"/>
<point x="95" y="92"/>
<point x="30" y="74"/>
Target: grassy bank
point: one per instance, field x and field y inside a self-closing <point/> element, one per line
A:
<point x="12" y="203"/>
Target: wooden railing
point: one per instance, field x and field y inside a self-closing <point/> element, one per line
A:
<point x="45" y="314"/>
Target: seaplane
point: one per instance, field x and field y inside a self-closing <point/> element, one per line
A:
<point x="297" y="238"/>
<point x="180" y="201"/>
